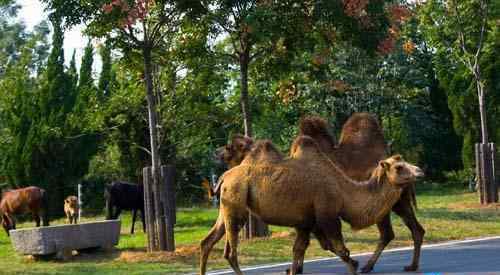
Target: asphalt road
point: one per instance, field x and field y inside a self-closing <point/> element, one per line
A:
<point x="474" y="257"/>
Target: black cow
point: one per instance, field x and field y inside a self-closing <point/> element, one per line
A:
<point x="124" y="196"/>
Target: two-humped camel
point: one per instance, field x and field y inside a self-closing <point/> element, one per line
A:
<point x="308" y="192"/>
<point x="357" y="153"/>
<point x="360" y="148"/>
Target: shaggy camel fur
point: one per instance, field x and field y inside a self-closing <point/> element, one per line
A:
<point x="243" y="150"/>
<point x="301" y="192"/>
<point x="360" y="148"/>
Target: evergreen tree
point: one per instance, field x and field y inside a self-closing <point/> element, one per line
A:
<point x="86" y="80"/>
<point x="72" y="69"/>
<point x="106" y="70"/>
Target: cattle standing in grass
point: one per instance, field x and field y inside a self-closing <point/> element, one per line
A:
<point x="24" y="200"/>
<point x="125" y="196"/>
<point x="71" y="208"/>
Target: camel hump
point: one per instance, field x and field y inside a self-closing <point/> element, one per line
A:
<point x="263" y="151"/>
<point x="362" y="129"/>
<point x="305" y="146"/>
<point x="318" y="129"/>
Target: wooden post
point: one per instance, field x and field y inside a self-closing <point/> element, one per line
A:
<point x="485" y="169"/>
<point x="491" y="171"/>
<point x="159" y="215"/>
<point x="479" y="181"/>
<point x="168" y="200"/>
<point x="79" y="202"/>
<point x="149" y="209"/>
<point x="159" y="208"/>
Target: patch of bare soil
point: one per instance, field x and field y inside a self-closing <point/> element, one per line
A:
<point x="186" y="253"/>
<point x="182" y="253"/>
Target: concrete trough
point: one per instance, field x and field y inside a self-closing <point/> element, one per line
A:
<point x="61" y="239"/>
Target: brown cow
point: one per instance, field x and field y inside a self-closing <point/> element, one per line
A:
<point x="71" y="208"/>
<point x="31" y="199"/>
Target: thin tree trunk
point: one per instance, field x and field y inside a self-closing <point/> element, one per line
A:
<point x="482" y="112"/>
<point x="153" y="134"/>
<point x="245" y="103"/>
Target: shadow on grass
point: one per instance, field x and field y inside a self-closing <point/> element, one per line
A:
<point x="199" y="222"/>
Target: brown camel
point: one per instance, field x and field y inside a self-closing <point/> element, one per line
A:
<point x="360" y="148"/>
<point x="308" y="192"/>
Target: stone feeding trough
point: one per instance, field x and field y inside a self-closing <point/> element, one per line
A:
<point x="61" y="240"/>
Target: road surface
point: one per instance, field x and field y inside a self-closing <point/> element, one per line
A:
<point x="473" y="257"/>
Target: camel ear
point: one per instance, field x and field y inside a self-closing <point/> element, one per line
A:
<point x="397" y="157"/>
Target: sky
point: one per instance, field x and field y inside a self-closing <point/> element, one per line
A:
<point x="32" y="13"/>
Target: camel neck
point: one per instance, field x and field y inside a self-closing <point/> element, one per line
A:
<point x="366" y="203"/>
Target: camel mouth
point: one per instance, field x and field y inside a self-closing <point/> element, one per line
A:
<point x="419" y="173"/>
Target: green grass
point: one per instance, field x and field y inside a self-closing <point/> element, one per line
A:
<point x="446" y="213"/>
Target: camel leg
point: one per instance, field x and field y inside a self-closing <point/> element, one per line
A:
<point x="209" y="241"/>
<point x="329" y="233"/>
<point x="386" y="236"/>
<point x="232" y="229"/>
<point x="407" y="213"/>
<point x="300" y="263"/>
<point x="36" y="217"/>
<point x="299" y="249"/>
<point x="134" y="216"/>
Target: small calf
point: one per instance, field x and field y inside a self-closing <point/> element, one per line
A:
<point x="71" y="209"/>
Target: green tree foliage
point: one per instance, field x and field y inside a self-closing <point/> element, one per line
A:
<point x="43" y="146"/>
<point x="330" y="58"/>
<point x="104" y="85"/>
<point x="462" y="34"/>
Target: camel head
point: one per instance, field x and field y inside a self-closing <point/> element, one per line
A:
<point x="397" y="172"/>
<point x="233" y="153"/>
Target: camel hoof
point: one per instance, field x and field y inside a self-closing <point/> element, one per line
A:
<point x="411" y="268"/>
<point x="354" y="267"/>
<point x="300" y="270"/>
<point x="367" y="269"/>
<point x="355" y="264"/>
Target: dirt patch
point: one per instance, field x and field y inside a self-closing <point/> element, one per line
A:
<point x="182" y="253"/>
<point x="185" y="253"/>
<point x="282" y="234"/>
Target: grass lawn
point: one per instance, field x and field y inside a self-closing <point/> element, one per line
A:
<point x="446" y="213"/>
